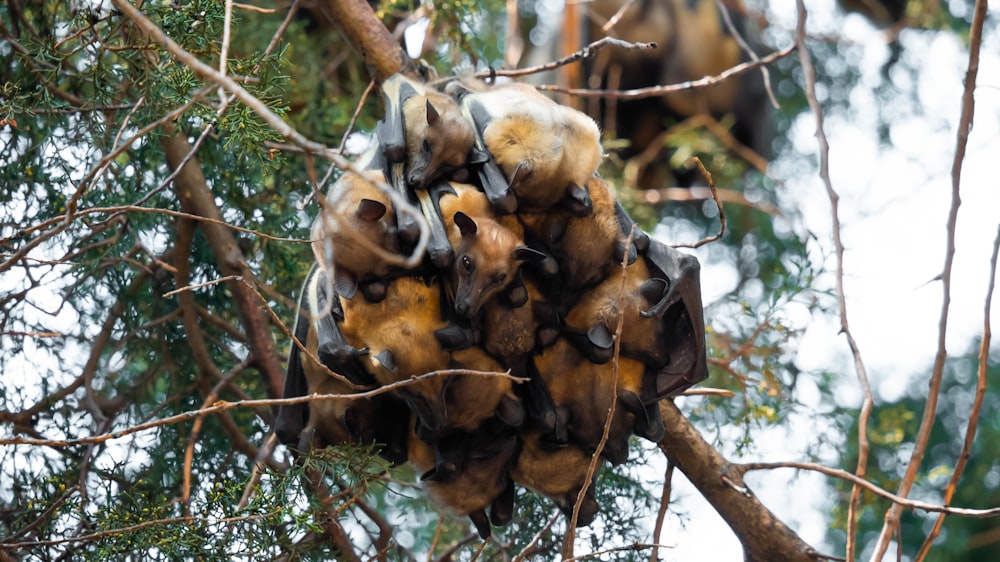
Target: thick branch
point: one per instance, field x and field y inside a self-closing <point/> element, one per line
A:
<point x="382" y="54"/>
<point x="196" y="198"/>
<point x="764" y="536"/>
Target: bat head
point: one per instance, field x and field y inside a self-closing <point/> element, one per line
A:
<point x="439" y="139"/>
<point x="486" y="261"/>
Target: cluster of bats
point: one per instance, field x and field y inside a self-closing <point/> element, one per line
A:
<point x="523" y="273"/>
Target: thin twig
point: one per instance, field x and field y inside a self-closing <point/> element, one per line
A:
<point x="765" y="73"/>
<point x="982" y="374"/>
<point x="202" y="285"/>
<point x="631" y="547"/>
<point x="934" y="388"/>
<point x="529" y="548"/>
<point x="139" y="526"/>
<point x="661" y="513"/>
<point x="899" y="501"/>
<point x="655" y="91"/>
<point x="223" y="405"/>
<point x="859" y="366"/>
<point x="718" y="203"/>
<point x="611" y="23"/>
<point x="584" y="53"/>
<point x="595" y="459"/>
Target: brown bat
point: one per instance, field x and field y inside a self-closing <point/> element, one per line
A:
<point x="437" y="142"/>
<point x="587" y="248"/>
<point x="547" y="151"/>
<point x="487" y="252"/>
<point x="556" y="472"/>
<point x="356" y="208"/>
<point x="480" y="485"/>
<point x="399" y="334"/>
<point x="582" y="392"/>
<point x="592" y="321"/>
<point x="335" y="421"/>
<point x="680" y="313"/>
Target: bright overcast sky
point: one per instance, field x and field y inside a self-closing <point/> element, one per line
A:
<point x="893" y="207"/>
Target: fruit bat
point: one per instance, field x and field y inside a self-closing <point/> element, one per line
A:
<point x="587" y="248"/>
<point x="591" y="322"/>
<point x="481" y="484"/>
<point x="399" y="334"/>
<point x="472" y="401"/>
<point x="557" y="473"/>
<point x="355" y="208"/>
<point x="547" y="151"/>
<point x="487" y="253"/>
<point x="693" y="41"/>
<point x="680" y="311"/>
<point x="335" y="421"/>
<point x="424" y="137"/>
<point x="582" y="392"/>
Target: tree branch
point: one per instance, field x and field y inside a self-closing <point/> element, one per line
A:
<point x="930" y="409"/>
<point x="859" y="366"/>
<point x="763" y="536"/>
<point x="982" y="374"/>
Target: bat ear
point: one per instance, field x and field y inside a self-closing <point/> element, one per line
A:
<point x="541" y="261"/>
<point x="370" y="210"/>
<point x="432" y="113"/>
<point x="345" y="283"/>
<point x="465" y="224"/>
<point x="384" y="358"/>
<point x="521" y="173"/>
<point x="477" y="156"/>
<point x="653" y="290"/>
<point x="524" y="253"/>
<point x="579" y="200"/>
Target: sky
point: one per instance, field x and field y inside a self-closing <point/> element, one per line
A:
<point x="894" y="203"/>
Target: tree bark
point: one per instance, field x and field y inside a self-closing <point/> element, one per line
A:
<point x="383" y="56"/>
<point x="764" y="537"/>
<point x="197" y="199"/>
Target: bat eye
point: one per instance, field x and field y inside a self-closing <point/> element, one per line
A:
<point x="499" y="279"/>
<point x="467" y="263"/>
<point x="425" y="146"/>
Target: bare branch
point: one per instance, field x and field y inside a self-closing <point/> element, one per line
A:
<point x="934" y="390"/>
<point x="223" y="405"/>
<point x="859" y="366"/>
<point x="595" y="459"/>
<point x="661" y="513"/>
<point x="982" y="374"/>
<point x="655" y="91"/>
<point x="585" y="53"/>
<point x="764" y="536"/>
<point x="897" y="500"/>
<point x="718" y="203"/>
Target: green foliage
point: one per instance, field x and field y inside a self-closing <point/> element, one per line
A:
<point x="893" y="426"/>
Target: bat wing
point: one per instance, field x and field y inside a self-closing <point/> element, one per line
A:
<point x="291" y="419"/>
<point x="491" y="177"/>
<point x="391" y="131"/>
<point x="438" y="248"/>
<point x="684" y="318"/>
